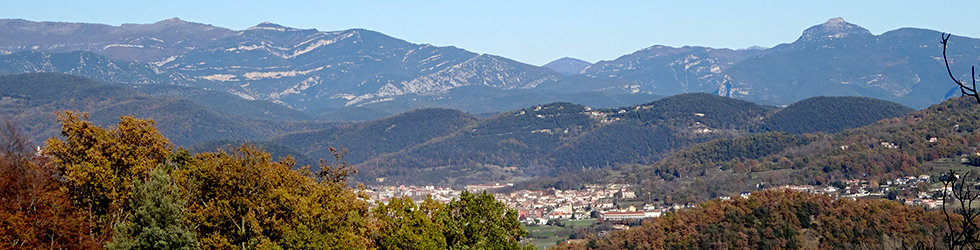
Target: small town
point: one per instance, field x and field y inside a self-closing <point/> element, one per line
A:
<point x="601" y="201"/>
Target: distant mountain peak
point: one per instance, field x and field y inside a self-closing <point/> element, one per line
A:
<point x="658" y="46"/>
<point x="567" y="65"/>
<point x="835" y="22"/>
<point x="833" y="28"/>
<point x="163" y="24"/>
<point x="173" y="20"/>
<point x="271" y="26"/>
<point x="754" y="47"/>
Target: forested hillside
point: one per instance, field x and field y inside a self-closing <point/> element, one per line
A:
<point x="441" y="146"/>
<point x="882" y="151"/>
<point x="782" y="219"/>
<point x="509" y="139"/>
<point x="368" y="140"/>
<point x="544" y="140"/>
<point x="32" y="99"/>
<point x="643" y="133"/>
<point x="832" y="114"/>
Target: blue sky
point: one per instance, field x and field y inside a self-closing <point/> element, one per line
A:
<point x="534" y="32"/>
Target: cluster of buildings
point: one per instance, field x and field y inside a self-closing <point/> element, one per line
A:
<point x="416" y="193"/>
<point x="594" y="201"/>
<point x="856" y="188"/>
<point x="597" y="201"/>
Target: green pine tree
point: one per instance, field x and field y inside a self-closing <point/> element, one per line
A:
<point x="155" y="219"/>
<point x="405" y="225"/>
<point x="482" y="222"/>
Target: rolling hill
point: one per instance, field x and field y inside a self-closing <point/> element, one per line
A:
<point x="832" y="114"/>
<point x="544" y="140"/>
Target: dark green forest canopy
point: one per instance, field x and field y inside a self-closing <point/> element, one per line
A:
<point x="832" y="114"/>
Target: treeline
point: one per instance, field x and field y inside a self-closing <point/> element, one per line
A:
<point x="127" y="188"/>
<point x="783" y="219"/>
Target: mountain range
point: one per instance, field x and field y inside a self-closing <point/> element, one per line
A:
<point x="433" y="145"/>
<point x="835" y="58"/>
<point x="307" y="69"/>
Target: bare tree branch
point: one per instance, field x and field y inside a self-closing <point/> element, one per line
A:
<point x="964" y="89"/>
<point x="964" y="232"/>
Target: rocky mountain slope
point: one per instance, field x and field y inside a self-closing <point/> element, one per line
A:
<point x="139" y="42"/>
<point x="308" y="69"/>
<point x="666" y="70"/>
<point x="835" y="58"/>
<point x="302" y="69"/>
<point x="839" y="58"/>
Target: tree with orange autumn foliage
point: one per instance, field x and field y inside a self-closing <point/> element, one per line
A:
<point x="99" y="164"/>
<point x="124" y="187"/>
<point x="782" y="219"/>
<point x="34" y="211"/>
<point x="244" y="199"/>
